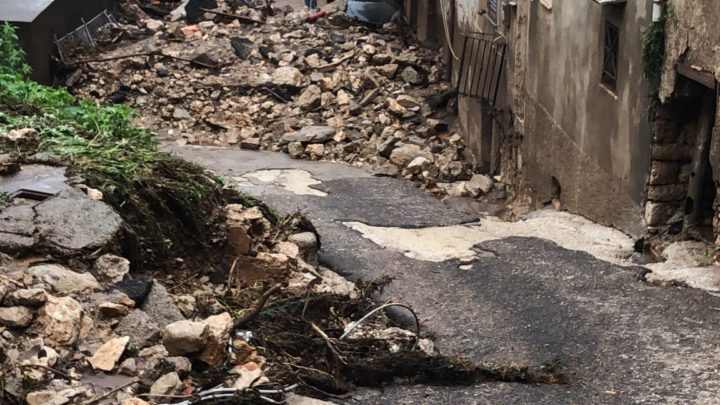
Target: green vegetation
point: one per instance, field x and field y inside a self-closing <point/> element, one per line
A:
<point x="653" y="48"/>
<point x="99" y="139"/>
<point x="167" y="202"/>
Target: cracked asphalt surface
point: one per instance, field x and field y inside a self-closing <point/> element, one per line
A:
<point x="619" y="339"/>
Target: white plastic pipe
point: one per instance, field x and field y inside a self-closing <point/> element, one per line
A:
<point x="657" y="10"/>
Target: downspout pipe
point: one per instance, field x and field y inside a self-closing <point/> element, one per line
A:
<point x="657" y="11"/>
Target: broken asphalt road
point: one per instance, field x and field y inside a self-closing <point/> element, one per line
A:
<point x="524" y="300"/>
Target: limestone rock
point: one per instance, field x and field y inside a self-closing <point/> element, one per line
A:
<point x="404" y="154"/>
<point x="135" y="401"/>
<point x="187" y="304"/>
<point x="315" y="150"/>
<point x="108" y="354"/>
<point x="128" y="367"/>
<point x="112" y="310"/>
<point x="479" y="183"/>
<point x="61" y="320"/>
<point x="60" y="280"/>
<point x="250" y="375"/>
<point x="418" y="165"/>
<point x="311" y="134"/>
<point x="287" y="76"/>
<point x="296" y="150"/>
<point x="184" y="337"/>
<point x="218" y="334"/>
<point x="307" y="243"/>
<point x="112" y="268"/>
<point x="169" y="384"/>
<point x="250" y="144"/>
<point x="16" y="317"/>
<point x="28" y="297"/>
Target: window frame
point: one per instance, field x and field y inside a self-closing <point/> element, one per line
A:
<point x="610" y="55"/>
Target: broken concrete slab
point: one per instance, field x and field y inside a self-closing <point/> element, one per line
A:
<point x="70" y="222"/>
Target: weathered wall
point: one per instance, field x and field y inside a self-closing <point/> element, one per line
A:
<point x="595" y="141"/>
<point x="692" y="40"/>
<point x="59" y="18"/>
<point x="553" y="118"/>
<point x="692" y="36"/>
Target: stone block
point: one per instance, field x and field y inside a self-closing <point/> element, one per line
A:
<point x="663" y="172"/>
<point x="670" y="192"/>
<point x="657" y="213"/>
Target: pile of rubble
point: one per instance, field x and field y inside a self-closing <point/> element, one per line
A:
<point x="92" y="332"/>
<point x="329" y="90"/>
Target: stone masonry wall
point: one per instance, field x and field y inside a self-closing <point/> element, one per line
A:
<point x="672" y="149"/>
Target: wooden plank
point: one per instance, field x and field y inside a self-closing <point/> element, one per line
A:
<point x="707" y="79"/>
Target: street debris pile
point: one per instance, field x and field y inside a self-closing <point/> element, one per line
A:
<point x="269" y="79"/>
<point x="129" y="276"/>
<point x="81" y="326"/>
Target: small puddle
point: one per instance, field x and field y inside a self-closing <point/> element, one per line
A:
<point x="294" y="180"/>
<point x="437" y="244"/>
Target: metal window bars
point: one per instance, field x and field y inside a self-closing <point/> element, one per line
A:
<point x="481" y="66"/>
<point x="85" y="35"/>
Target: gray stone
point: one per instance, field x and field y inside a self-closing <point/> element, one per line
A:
<point x="184" y="337"/>
<point x="307" y="242"/>
<point x="128" y="367"/>
<point x="168" y="384"/>
<point x="410" y="75"/>
<point x="61" y="280"/>
<point x="418" y="165"/>
<point x="71" y="222"/>
<point x="672" y="152"/>
<point x="112" y="268"/>
<point x="311" y="134"/>
<point x="663" y="173"/>
<point x="386" y="147"/>
<point x="387" y="169"/>
<point x="404" y="154"/>
<point x="108" y="354"/>
<point x="670" y="192"/>
<point x="479" y="183"/>
<point x="160" y="306"/>
<point x="16" y="228"/>
<point x="180" y="113"/>
<point x="16" y="317"/>
<point x="141" y="329"/>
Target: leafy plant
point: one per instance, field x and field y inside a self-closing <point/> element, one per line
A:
<point x="653" y="47"/>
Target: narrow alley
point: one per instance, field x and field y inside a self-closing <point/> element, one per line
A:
<point x="361" y="202"/>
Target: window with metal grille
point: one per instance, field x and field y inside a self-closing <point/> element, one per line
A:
<point x="492" y="9"/>
<point x="610" y="55"/>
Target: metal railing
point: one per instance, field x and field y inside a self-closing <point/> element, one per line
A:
<point x="481" y="66"/>
<point x="85" y="35"/>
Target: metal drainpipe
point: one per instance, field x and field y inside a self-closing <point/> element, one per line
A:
<point x="657" y="12"/>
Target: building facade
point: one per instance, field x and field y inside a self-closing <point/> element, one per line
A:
<point x="575" y="119"/>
